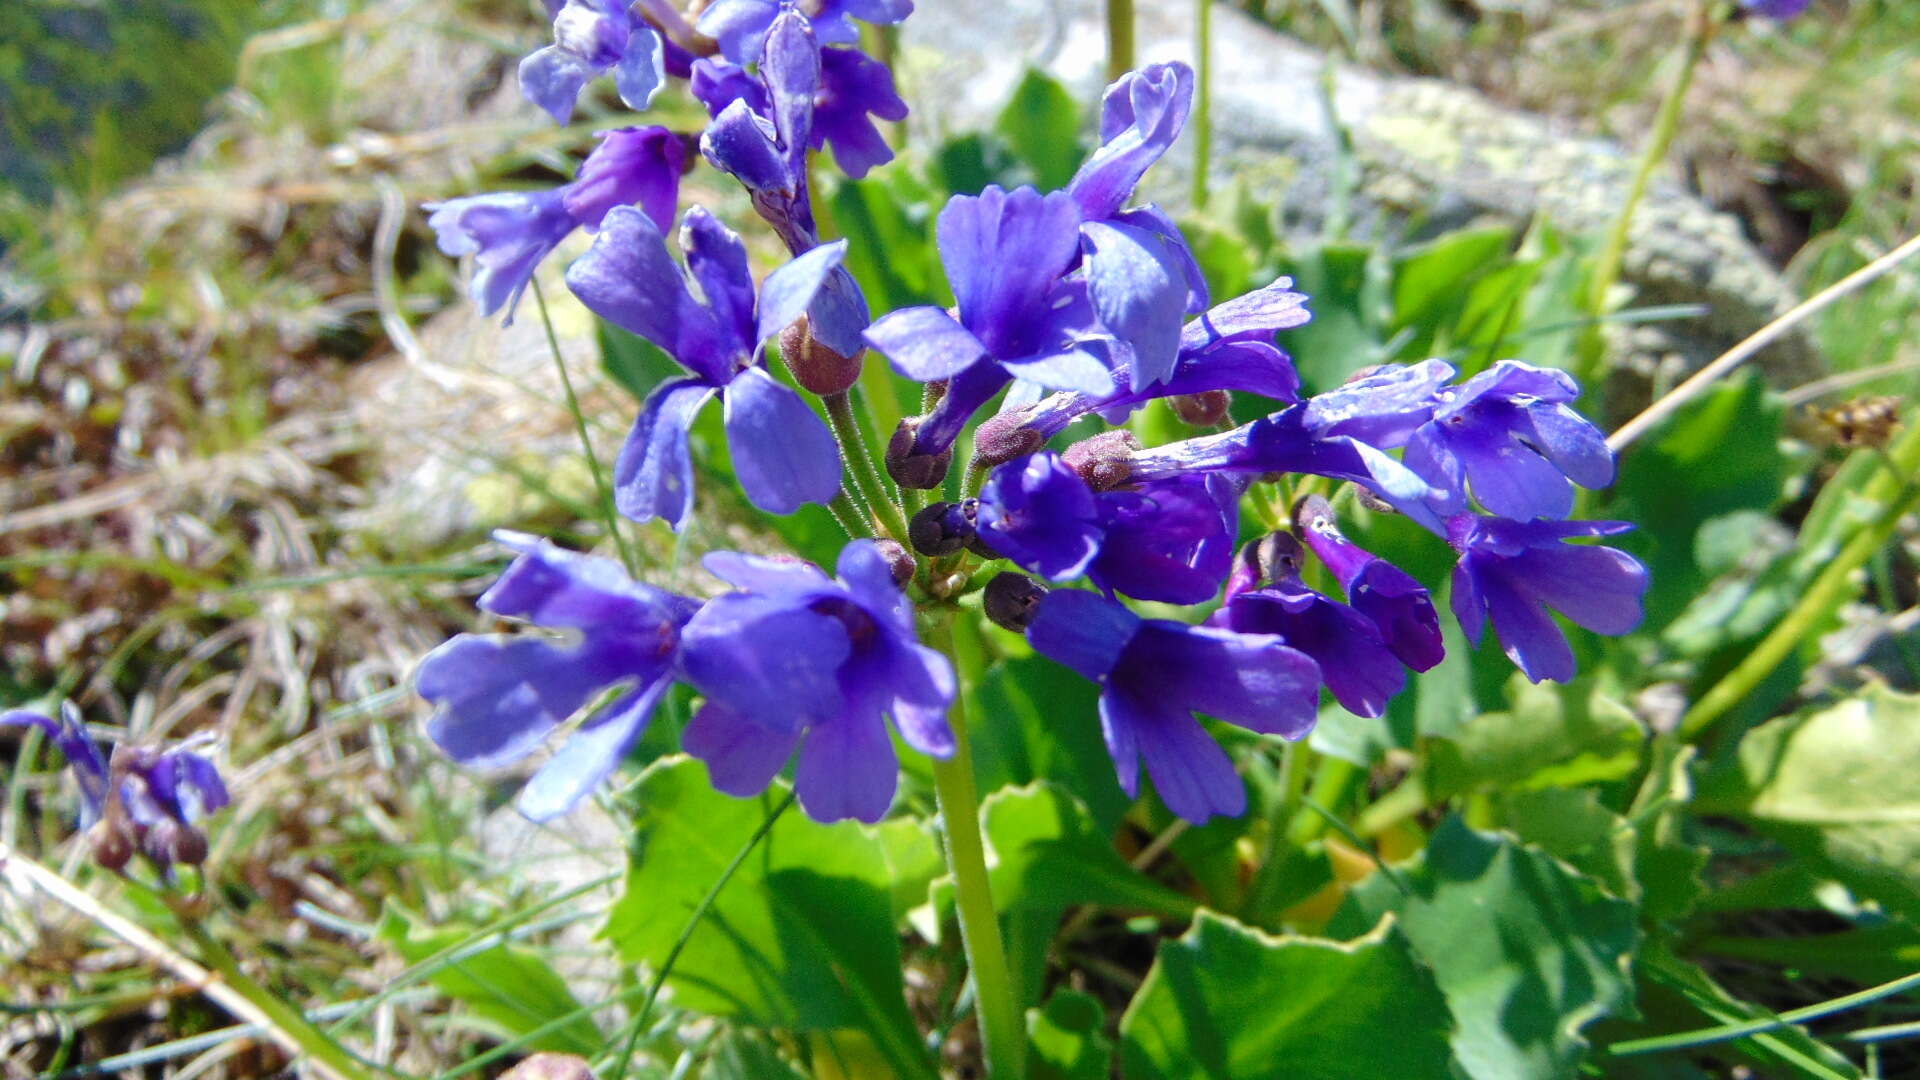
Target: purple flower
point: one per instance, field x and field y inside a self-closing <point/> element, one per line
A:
<point x="1382" y="407"/>
<point x="741" y="26"/>
<point x="509" y="233"/>
<point x="1154" y="675"/>
<point x="1005" y="254"/>
<point x="853" y="88"/>
<point x="783" y="454"/>
<point x="1037" y="512"/>
<point x="498" y="697"/>
<point x="1228" y="348"/>
<point x="1508" y="433"/>
<point x="1515" y="571"/>
<point x="1398" y="605"/>
<point x="1281" y="443"/>
<point x="760" y="137"/>
<point x="800" y="659"/>
<point x="83" y="757"/>
<point x="591" y="37"/>
<point x="1169" y="540"/>
<point x="1777" y="9"/>
<point x="1356" y="663"/>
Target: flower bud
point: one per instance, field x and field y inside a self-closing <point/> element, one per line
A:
<point x="1314" y="514"/>
<point x="1102" y="460"/>
<point x="943" y="528"/>
<point x="1000" y="439"/>
<point x="188" y="846"/>
<point x="1261" y="561"/>
<point x="899" y="560"/>
<point x="1205" y="409"/>
<point x="921" y="472"/>
<point x="112" y="842"/>
<point x="816" y="367"/>
<point x="1012" y="600"/>
<point x="1373" y="502"/>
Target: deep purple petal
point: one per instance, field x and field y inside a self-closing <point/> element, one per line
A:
<point x="839" y="314"/>
<point x="1469" y="603"/>
<point x="653" y="477"/>
<point x="1506" y="477"/>
<point x="769" y="659"/>
<point x="629" y="279"/>
<point x="1140" y="294"/>
<point x="1194" y="776"/>
<point x="742" y="757"/>
<point x="83" y="757"/>
<point x="631" y="165"/>
<point x="1507" y="380"/>
<point x="1528" y="635"/>
<point x="1253" y="680"/>
<point x="790" y="290"/>
<point x="867" y="578"/>
<point x="1356" y="664"/>
<point x="1084" y="631"/>
<point x="1003" y="253"/>
<point x="641" y="71"/>
<point x="783" y="454"/>
<point x="1037" y="512"/>
<point x="498" y="697"/>
<point x="1402" y="609"/>
<point x="551" y="586"/>
<point x="923" y="685"/>
<point x="1264" y="311"/>
<point x="847" y="769"/>
<point x="741" y="144"/>
<point x="1600" y="588"/>
<point x="1152" y="219"/>
<point x="790" y="67"/>
<point x="590" y="754"/>
<point x="1570" y="441"/>
<point x="1077" y="370"/>
<point x="1142" y="116"/>
<point x="925" y="343"/>
<point x="718" y="261"/>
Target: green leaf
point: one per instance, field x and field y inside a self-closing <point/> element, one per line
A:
<point x="636" y="364"/>
<point x="509" y="987"/>
<point x="1050" y="854"/>
<point x="1047" y="727"/>
<point x="1227" y="261"/>
<point x="1436" y="703"/>
<point x="1679" y="995"/>
<point x="913" y="861"/>
<point x="1550" y="735"/>
<point x="1042" y="125"/>
<point x="1228" y="1003"/>
<point x="1348" y="285"/>
<point x="1526" y="950"/>
<point x="1839" y="786"/>
<point x="1068" y="1040"/>
<point x="747" y="1055"/>
<point x="1432" y="283"/>
<point x="801" y="938"/>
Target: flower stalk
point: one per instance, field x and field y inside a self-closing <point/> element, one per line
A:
<point x="859" y="461"/>
<point x="1001" y="1035"/>
<point x="1202" y="99"/>
<point x="1119" y="38"/>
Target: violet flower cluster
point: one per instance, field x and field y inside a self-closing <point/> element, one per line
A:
<point x="1073" y="309"/>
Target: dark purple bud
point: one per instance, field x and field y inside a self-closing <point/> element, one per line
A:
<point x="921" y="472"/>
<point x="1205" y="409"/>
<point x="1012" y="600"/>
<point x="815" y="366"/>
<point x="188" y="845"/>
<point x="943" y="528"/>
<point x="112" y="842"/>
<point x="899" y="560"/>
<point x="1002" y="438"/>
<point x="1262" y="561"/>
<point x="1102" y="460"/>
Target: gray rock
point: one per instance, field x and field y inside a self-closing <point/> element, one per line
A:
<point x="1423" y="155"/>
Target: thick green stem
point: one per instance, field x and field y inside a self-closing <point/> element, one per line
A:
<point x="331" y="1058"/>
<point x="607" y="506"/>
<point x="1119" y="38"/>
<point x="1001" y="1033"/>
<point x="1202" y="99"/>
<point x="1701" y="24"/>
<point x="853" y="449"/>
<point x="1898" y="491"/>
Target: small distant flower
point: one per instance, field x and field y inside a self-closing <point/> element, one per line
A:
<point x="783" y="454"/>
<point x="1155" y="674"/>
<point x="798" y="659"/>
<point x="1358" y="667"/>
<point x="1508" y="434"/>
<point x="1399" y="606"/>
<point x="1515" y="571"/>
<point x="1777" y="9"/>
<point x="83" y="757"/>
<point x="509" y="233"/>
<point x="590" y="38"/>
<point x="741" y="26"/>
<point x="498" y="697"/>
<point x="1005" y="254"/>
<point x="1282" y="443"/>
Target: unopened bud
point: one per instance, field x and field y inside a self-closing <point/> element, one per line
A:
<point x="899" y="560"/>
<point x="1314" y="514"/>
<point x="112" y="844"/>
<point x="1102" y="461"/>
<point x="189" y="846"/>
<point x="1373" y="502"/>
<point x="920" y="472"/>
<point x="943" y="528"/>
<point x="1260" y="561"/>
<point x="816" y="367"/>
<point x="1012" y="600"/>
<point x="1000" y="439"/>
<point x="1205" y="409"/>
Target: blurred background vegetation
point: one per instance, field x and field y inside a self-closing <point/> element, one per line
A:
<point x="251" y="443"/>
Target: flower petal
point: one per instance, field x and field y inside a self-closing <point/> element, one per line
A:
<point x="1253" y="680"/>
<point x="641" y="71"/>
<point x="1003" y="252"/>
<point x="1194" y="776"/>
<point x="590" y="754"/>
<point x="1076" y="370"/>
<point x="653" y="477"/>
<point x="1140" y="294"/>
<point x="629" y="279"/>
<point x="783" y="454"/>
<point x="925" y="343"/>
<point x="790" y="290"/>
<point x="847" y="769"/>
<point x="742" y="757"/>
<point x="1084" y="631"/>
<point x="770" y="659"/>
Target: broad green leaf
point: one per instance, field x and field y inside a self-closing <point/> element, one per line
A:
<point x="747" y="1055"/>
<point x="801" y="938"/>
<point x="1526" y="950"/>
<point x="509" y="987"/>
<point x="1046" y="726"/>
<point x="1550" y="735"/>
<point x="1432" y="283"/>
<point x="1042" y="125"/>
<point x="1669" y="868"/>
<point x="913" y="861"/>
<point x="1067" y="1039"/>
<point x="1228" y="1003"/>
<point x="1348" y="285"/>
<point x="1572" y="825"/>
<point x="1840" y="786"/>
<point x="1227" y="261"/>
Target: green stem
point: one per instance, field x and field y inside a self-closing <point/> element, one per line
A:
<point x="693" y="923"/>
<point x="1202" y="99"/>
<point x="600" y="484"/>
<point x="1393" y="808"/>
<point x="329" y="1055"/>
<point x="1897" y="490"/>
<point x="851" y="517"/>
<point x="1001" y="1033"/>
<point x="1331" y="781"/>
<point x="853" y="449"/>
<point x="1119" y="38"/>
<point x="1701" y="24"/>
